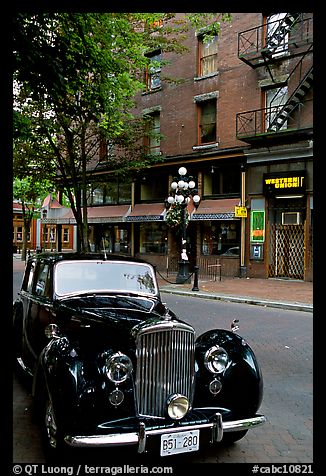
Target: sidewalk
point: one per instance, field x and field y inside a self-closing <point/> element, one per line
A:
<point x="284" y="293"/>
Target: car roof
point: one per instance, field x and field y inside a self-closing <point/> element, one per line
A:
<point x="57" y="256"/>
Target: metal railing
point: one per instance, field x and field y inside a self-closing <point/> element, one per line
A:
<point x="252" y="42"/>
<point x="255" y="123"/>
<point x="209" y="268"/>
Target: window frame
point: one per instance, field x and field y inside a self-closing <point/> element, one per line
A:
<point x="152" y="71"/>
<point x="202" y="57"/>
<point x="153" y="128"/>
<point x="200" y="106"/>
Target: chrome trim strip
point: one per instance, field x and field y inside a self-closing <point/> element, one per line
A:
<point x="245" y="424"/>
<point x="134" y="438"/>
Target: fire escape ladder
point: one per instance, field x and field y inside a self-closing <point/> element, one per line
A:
<point x="292" y="103"/>
<point x="275" y="40"/>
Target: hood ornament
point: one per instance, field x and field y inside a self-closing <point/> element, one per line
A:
<point x="234" y="325"/>
<point x="167" y="316"/>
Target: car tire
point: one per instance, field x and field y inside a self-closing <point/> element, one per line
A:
<point x="232" y="437"/>
<point x="52" y="442"/>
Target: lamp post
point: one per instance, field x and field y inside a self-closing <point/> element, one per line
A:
<point x="183" y="188"/>
<point x="44" y="215"/>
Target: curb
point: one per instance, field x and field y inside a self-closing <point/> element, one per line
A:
<point x="242" y="300"/>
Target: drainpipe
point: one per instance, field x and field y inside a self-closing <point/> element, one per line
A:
<point x="243" y="268"/>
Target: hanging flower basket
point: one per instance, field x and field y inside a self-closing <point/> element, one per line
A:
<point x="173" y="216"/>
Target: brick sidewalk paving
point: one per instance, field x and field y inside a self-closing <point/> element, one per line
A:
<point x="279" y="290"/>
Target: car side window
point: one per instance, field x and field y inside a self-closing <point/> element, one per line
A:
<point x="42" y="287"/>
<point x="30" y="277"/>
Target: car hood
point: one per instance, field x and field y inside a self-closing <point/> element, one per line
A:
<point x="110" y="319"/>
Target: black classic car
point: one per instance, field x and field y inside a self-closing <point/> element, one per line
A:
<point x="111" y="365"/>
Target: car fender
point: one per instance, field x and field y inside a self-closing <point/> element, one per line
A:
<point x="77" y="386"/>
<point x="241" y="381"/>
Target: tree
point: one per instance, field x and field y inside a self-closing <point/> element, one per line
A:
<point x="76" y="75"/>
<point x="30" y="193"/>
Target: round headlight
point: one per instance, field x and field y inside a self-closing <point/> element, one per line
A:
<point x="216" y="359"/>
<point x="178" y="405"/>
<point x="118" y="368"/>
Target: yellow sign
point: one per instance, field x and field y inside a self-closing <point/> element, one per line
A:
<point x="240" y="212"/>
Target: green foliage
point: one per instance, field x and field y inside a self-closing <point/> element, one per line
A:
<point x="174" y="216"/>
<point x="76" y="76"/>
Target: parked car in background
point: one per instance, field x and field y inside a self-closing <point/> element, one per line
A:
<point x="111" y="365"/>
<point x="234" y="251"/>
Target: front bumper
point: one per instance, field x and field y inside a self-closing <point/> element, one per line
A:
<point x="216" y="426"/>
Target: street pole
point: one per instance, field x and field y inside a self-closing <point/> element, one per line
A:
<point x="182" y="190"/>
<point x="243" y="268"/>
<point x="183" y="272"/>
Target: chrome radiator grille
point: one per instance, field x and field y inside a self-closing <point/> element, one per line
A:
<point x="165" y="365"/>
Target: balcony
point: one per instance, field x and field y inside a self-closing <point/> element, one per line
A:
<point x="275" y="123"/>
<point x="268" y="43"/>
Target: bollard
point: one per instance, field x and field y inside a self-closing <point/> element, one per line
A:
<point x="195" y="286"/>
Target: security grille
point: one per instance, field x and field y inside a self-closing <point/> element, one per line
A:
<point x="165" y="365"/>
<point x="286" y="251"/>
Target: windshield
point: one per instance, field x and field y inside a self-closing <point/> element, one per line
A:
<point x="74" y="277"/>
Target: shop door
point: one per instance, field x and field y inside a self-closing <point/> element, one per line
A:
<point x="286" y="251"/>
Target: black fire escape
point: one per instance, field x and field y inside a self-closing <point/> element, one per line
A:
<point x="287" y="41"/>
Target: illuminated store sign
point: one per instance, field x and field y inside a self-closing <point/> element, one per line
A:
<point x="285" y="183"/>
<point x="257" y="226"/>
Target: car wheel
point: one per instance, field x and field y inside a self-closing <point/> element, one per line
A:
<point x="51" y="435"/>
<point x="232" y="437"/>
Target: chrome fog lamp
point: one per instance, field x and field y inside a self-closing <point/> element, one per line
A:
<point x="116" y="397"/>
<point x="215" y="386"/>
<point x="118" y="367"/>
<point x="216" y="359"/>
<point x="178" y="405"/>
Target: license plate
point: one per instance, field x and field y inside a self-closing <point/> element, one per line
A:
<point x="183" y="442"/>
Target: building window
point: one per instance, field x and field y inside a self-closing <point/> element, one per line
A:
<point x="219" y="237"/>
<point x="19" y="236"/>
<point x="153" y="136"/>
<point x="153" y="71"/>
<point x="221" y="181"/>
<point x="53" y="233"/>
<point x="207" y="55"/>
<point x="45" y="234"/>
<point x="153" y="238"/>
<point x="65" y="235"/>
<point x="114" y="192"/>
<point x="277" y="33"/>
<point x="275" y="99"/>
<point x="106" y="150"/>
<point x="153" y="188"/>
<point x="207" y="121"/>
<point x="114" y="238"/>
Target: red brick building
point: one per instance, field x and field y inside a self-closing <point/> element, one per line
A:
<point x="239" y="117"/>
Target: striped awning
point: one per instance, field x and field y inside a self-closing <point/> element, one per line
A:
<point x="100" y="214"/>
<point x="216" y="209"/>
<point x="147" y="212"/>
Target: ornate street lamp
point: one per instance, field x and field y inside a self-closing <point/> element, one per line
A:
<point x="183" y="189"/>
<point x="44" y="215"/>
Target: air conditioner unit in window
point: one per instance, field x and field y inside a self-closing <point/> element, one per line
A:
<point x="291" y="218"/>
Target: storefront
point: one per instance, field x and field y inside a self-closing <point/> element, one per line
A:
<point x="280" y="231"/>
